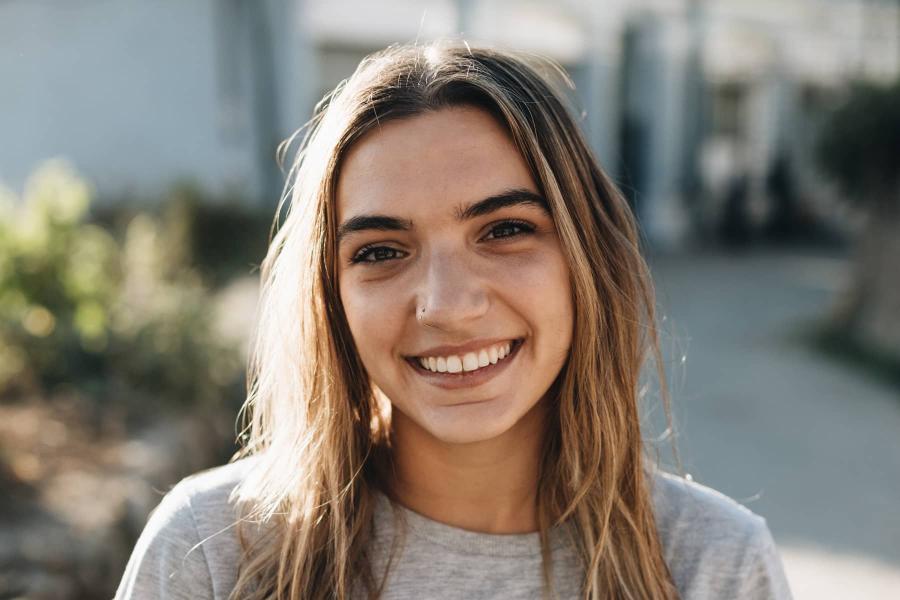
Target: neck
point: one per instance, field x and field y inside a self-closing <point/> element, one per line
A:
<point x="488" y="486"/>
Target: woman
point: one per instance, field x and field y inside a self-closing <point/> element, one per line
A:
<point x="445" y="381"/>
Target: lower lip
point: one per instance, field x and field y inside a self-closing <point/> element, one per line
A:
<point x="466" y="379"/>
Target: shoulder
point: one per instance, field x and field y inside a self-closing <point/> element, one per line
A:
<point x="189" y="547"/>
<point x="685" y="508"/>
<point x="714" y="547"/>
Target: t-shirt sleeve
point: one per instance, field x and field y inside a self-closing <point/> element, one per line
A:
<point x="764" y="577"/>
<point x="168" y="561"/>
<point x="715" y="547"/>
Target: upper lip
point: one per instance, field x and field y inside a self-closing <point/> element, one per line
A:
<point x="463" y="348"/>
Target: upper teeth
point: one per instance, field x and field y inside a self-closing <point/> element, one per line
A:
<point x="469" y="361"/>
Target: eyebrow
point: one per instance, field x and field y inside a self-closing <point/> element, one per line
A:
<point x="513" y="197"/>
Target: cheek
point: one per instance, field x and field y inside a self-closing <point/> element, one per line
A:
<point x="561" y="292"/>
<point x="559" y="317"/>
<point x="544" y="295"/>
<point x="372" y="317"/>
<point x="539" y="284"/>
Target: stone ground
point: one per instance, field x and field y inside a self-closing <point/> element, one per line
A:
<point x="811" y="444"/>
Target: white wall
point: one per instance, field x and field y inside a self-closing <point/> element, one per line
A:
<point x="128" y="90"/>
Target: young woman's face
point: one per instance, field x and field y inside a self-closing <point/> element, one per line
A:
<point x="449" y="256"/>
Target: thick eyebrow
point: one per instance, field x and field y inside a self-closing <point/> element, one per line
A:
<point x="376" y="222"/>
<point x="513" y="197"/>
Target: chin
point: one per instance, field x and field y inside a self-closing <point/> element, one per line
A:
<point x="471" y="425"/>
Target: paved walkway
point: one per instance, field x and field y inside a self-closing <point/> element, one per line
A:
<point x="811" y="444"/>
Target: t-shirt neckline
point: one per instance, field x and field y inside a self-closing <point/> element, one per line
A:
<point x="462" y="540"/>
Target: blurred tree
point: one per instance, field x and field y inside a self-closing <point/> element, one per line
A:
<point x="860" y="148"/>
<point x="117" y="376"/>
<point x="119" y="320"/>
<point x="58" y="276"/>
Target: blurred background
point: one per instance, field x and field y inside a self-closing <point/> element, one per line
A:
<point x="758" y="142"/>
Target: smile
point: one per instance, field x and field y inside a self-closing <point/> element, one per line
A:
<point x="470" y="361"/>
<point x="461" y="376"/>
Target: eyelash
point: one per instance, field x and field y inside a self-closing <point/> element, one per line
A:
<point x="363" y="253"/>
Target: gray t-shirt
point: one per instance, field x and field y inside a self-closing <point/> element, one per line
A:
<point x="714" y="547"/>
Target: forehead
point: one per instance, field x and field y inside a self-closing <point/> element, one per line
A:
<point x="442" y="158"/>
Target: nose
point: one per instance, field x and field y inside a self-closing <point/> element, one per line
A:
<point x="451" y="295"/>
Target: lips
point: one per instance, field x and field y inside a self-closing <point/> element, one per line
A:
<point x="466" y="378"/>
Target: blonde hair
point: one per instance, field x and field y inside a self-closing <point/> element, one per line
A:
<point x="312" y="417"/>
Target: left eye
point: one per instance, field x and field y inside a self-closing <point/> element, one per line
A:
<point x="508" y="229"/>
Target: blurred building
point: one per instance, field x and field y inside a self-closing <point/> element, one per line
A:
<point x="697" y="108"/>
<point x="140" y="94"/>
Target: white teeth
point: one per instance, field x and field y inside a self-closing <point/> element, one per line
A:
<point x="470" y="361"/>
<point x="454" y="364"/>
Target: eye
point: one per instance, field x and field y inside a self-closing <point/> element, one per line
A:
<point x="507" y="229"/>
<point x="376" y="254"/>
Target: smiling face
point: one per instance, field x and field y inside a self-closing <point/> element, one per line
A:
<point x="451" y="275"/>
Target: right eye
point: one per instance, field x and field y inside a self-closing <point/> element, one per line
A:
<point x="376" y="254"/>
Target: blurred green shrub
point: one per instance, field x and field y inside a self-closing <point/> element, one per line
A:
<point x="860" y="143"/>
<point x="218" y="238"/>
<point x="127" y="319"/>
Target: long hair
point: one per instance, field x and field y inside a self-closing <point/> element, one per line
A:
<point x="314" y="419"/>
